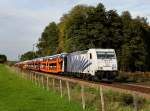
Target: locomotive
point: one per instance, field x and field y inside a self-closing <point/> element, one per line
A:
<point x="92" y="64"/>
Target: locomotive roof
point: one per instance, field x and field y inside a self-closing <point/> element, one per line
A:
<point x="96" y="49"/>
<point x="79" y="52"/>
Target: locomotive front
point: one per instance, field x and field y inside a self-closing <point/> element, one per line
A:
<point x="104" y="63"/>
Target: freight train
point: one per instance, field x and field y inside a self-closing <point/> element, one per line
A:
<point x="92" y="64"/>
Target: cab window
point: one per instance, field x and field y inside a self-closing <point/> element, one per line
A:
<point x="90" y="56"/>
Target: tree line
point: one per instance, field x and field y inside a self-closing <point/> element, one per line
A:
<point x="85" y="27"/>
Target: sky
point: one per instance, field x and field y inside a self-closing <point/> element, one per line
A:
<point x="22" y="21"/>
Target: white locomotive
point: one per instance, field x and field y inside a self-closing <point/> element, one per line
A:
<point x="99" y="63"/>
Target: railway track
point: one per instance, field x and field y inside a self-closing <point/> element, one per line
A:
<point x="139" y="85"/>
<point x="132" y="87"/>
<point x="140" y="90"/>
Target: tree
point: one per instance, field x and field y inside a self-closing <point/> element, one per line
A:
<point x="62" y="29"/>
<point x="28" y="56"/>
<point x="134" y="53"/>
<point x="96" y="27"/>
<point x="3" y="58"/>
<point x="48" y="43"/>
<point x="86" y="24"/>
<point x="75" y="29"/>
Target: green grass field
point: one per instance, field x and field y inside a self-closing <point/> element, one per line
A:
<point x="18" y="94"/>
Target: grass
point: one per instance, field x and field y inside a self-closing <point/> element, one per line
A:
<point x="113" y="100"/>
<point x="17" y="94"/>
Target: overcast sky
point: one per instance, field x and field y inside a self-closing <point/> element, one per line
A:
<point x="22" y="21"/>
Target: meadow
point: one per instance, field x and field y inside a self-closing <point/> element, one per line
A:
<point x="18" y="94"/>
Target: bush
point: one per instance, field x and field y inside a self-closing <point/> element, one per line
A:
<point x="127" y="99"/>
<point x="3" y="58"/>
<point x="122" y="77"/>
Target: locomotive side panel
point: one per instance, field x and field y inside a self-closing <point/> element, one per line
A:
<point x="77" y="62"/>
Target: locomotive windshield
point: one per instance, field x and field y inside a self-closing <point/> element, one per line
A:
<point x="105" y="55"/>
